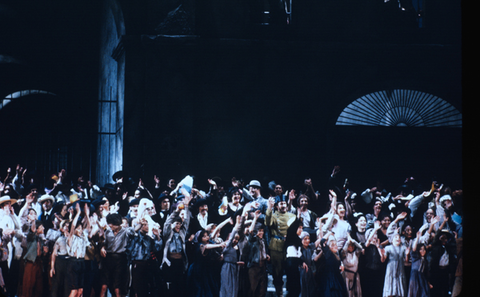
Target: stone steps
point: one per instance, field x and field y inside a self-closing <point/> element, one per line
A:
<point x="271" y="287"/>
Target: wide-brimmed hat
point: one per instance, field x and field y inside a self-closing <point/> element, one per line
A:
<point x="7" y="198"/>
<point x="446" y="232"/>
<point x="119" y="174"/>
<point x="108" y="186"/>
<point x="200" y="202"/>
<point x="164" y="196"/>
<point x="254" y="183"/>
<point x="32" y="186"/>
<point x="134" y="201"/>
<point x="99" y="201"/>
<point x="46" y="197"/>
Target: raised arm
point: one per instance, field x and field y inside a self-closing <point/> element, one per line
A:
<point x="416" y="201"/>
<point x="246" y="197"/>
<point x="348" y="206"/>
<point x="74" y="223"/>
<point x="268" y="214"/>
<point x="209" y="246"/>
<point x="331" y="217"/>
<point x="87" y="217"/>
<point x="351" y="240"/>
<point x="376" y="227"/>
<point x="333" y="204"/>
<point x="394" y="225"/>
<point x="254" y="221"/>
<point x="24" y="210"/>
<point x="291" y="196"/>
<point x="309" y="191"/>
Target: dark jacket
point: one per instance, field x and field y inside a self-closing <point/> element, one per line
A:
<point x="142" y="246"/>
<point x="251" y="254"/>
<point x="438" y="250"/>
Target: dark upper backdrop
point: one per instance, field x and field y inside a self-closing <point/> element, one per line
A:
<point x="232" y="99"/>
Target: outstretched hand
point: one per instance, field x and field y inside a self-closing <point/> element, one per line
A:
<point x="292" y="195"/>
<point x="336" y="170"/>
<point x="402" y="215"/>
<point x="332" y="194"/>
<point x="271" y="202"/>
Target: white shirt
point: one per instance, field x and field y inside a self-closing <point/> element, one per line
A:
<point x="6" y="221"/>
<point x="78" y="245"/>
<point x="341" y="230"/>
<point x="293" y="252"/>
<point x="203" y="220"/>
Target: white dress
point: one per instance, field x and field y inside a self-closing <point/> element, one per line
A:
<point x="395" y="282"/>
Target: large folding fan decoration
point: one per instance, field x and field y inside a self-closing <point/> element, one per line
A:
<point x="399" y="107"/>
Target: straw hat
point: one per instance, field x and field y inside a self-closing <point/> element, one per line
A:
<point x="7" y="198"/>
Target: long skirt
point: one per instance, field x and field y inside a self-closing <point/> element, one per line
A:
<point x="229" y="280"/>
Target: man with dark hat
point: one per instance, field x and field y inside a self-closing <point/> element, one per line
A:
<point x="108" y="191"/>
<point x="133" y="209"/>
<point x="278" y="221"/>
<point x="200" y="219"/>
<point x="101" y="207"/>
<point x="443" y="261"/>
<point x="119" y="176"/>
<point x="163" y="204"/>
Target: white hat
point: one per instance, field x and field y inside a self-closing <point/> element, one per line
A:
<point x="46" y="197"/>
<point x="7" y="198"/>
<point x="445" y="198"/>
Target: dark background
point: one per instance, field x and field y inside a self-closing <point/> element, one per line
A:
<point x="239" y="99"/>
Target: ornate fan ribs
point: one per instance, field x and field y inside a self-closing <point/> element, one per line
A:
<point x="400" y="107"/>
